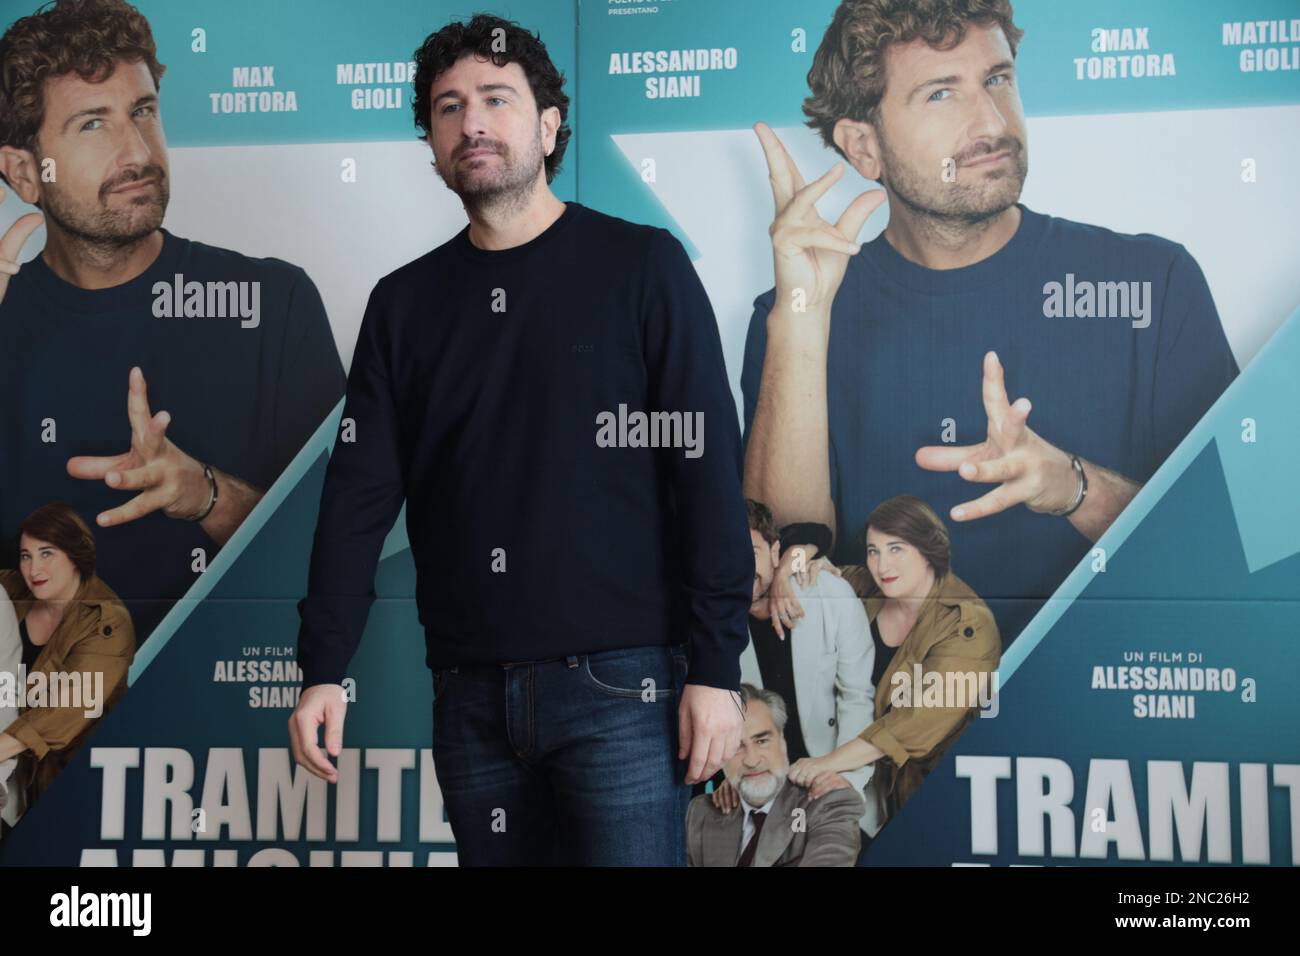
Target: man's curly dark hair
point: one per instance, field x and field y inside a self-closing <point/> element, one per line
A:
<point x="442" y="50"/>
<point x="86" y="37"/>
<point x="847" y="78"/>
<point x="761" y="520"/>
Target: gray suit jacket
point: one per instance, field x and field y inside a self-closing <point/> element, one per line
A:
<point x="11" y="658"/>
<point x="798" y="831"/>
<point x="832" y="656"/>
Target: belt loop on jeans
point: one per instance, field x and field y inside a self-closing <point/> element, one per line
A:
<point x="571" y="661"/>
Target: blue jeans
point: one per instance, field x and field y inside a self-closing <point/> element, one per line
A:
<point x="571" y="761"/>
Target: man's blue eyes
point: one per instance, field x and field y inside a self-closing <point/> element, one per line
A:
<point x="90" y="123"/>
<point x="490" y="100"/>
<point x="934" y="97"/>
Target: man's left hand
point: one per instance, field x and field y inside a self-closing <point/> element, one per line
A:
<point x="1028" y="469"/>
<point x="709" y="721"/>
<point x="167" y="479"/>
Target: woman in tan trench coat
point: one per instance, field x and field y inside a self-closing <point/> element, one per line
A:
<point x="76" y="636"/>
<point x="937" y="646"/>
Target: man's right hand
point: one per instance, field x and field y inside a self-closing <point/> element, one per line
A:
<point x="784" y="609"/>
<point x="725" y="797"/>
<point x="318" y="704"/>
<point x="808" y="252"/>
<point x="808" y="576"/>
<point x="709" y="721"/>
<point x="12" y="244"/>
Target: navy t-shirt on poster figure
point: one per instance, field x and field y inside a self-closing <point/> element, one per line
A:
<point x="906" y="354"/>
<point x="243" y="397"/>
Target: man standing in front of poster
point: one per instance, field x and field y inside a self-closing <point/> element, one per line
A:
<point x="862" y="371"/>
<point x="561" y="562"/>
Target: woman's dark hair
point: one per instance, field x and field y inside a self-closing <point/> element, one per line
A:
<point x="501" y="41"/>
<point x="911" y="519"/>
<point x="58" y="524"/>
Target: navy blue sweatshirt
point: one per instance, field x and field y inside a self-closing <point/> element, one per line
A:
<point x="498" y="393"/>
<point x="244" y="396"/>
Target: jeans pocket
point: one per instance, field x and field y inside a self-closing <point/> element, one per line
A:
<point x="681" y="665"/>
<point x="647" y="673"/>
<point x="440" y="681"/>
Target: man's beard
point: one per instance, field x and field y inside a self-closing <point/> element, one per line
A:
<point x="99" y="225"/>
<point x="757" y="795"/>
<point x="509" y="185"/>
<point x="981" y="196"/>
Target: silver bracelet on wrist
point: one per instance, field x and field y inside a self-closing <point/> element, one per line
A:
<point x="212" y="494"/>
<point x="1080" y="494"/>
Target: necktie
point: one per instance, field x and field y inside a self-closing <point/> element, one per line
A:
<point x="747" y="857"/>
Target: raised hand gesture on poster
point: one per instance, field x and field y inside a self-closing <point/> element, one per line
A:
<point x="1028" y="469"/>
<point x="787" y="459"/>
<point x="166" y="477"/>
<point x="12" y="244"/>
<point x="809" y="253"/>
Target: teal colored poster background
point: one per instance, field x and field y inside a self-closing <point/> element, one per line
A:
<point x="1204" y="561"/>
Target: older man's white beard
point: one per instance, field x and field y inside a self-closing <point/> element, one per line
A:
<point x="756" y="793"/>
